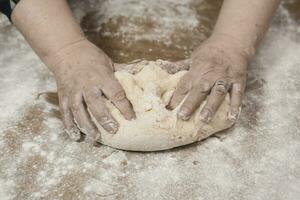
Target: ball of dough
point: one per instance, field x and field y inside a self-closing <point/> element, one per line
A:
<point x="149" y="88"/>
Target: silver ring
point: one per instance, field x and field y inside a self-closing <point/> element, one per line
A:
<point x="223" y="83"/>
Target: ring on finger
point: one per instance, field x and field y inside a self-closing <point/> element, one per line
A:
<point x="223" y="83"/>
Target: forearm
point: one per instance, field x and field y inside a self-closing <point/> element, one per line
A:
<point x="47" y="25"/>
<point x="246" y="22"/>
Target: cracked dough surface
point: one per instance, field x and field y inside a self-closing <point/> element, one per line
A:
<point x="150" y="88"/>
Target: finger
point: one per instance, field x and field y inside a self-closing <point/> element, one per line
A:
<point x="214" y="101"/>
<point x="180" y="92"/>
<point x="193" y="101"/>
<point x="67" y="118"/>
<point x="98" y="110"/>
<point x="114" y="92"/>
<point x="236" y="95"/>
<point x="81" y="117"/>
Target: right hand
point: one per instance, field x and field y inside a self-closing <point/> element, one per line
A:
<point x="84" y="74"/>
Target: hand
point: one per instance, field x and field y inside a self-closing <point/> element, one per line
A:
<point x="218" y="66"/>
<point x="84" y="74"/>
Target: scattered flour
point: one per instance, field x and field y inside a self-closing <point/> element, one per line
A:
<point x="167" y="16"/>
<point x="21" y="73"/>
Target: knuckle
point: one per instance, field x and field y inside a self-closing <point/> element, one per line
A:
<point x="66" y="118"/>
<point x="64" y="110"/>
<point x="190" y="101"/>
<point x="182" y="88"/>
<point x="240" y="74"/>
<point x="76" y="100"/>
<point x="75" y="106"/>
<point x="238" y="89"/>
<point x="211" y="110"/>
<point x="187" y="107"/>
<point x="104" y="119"/>
<point x="65" y="114"/>
<point x="239" y="93"/>
<point x="93" y="93"/>
<point x="61" y="88"/>
<point x="204" y="88"/>
<point x="63" y="103"/>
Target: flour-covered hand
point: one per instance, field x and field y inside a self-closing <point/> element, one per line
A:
<point x="84" y="75"/>
<point x="218" y="67"/>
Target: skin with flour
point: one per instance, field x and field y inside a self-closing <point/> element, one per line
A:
<point x="84" y="73"/>
<point x="149" y="86"/>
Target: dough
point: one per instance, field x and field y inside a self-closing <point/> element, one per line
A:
<point x="150" y="88"/>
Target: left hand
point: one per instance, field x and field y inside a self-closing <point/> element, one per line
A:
<point x="218" y="66"/>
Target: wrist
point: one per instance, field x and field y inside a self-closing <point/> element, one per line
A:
<point x="234" y="44"/>
<point x="48" y="26"/>
<point x="66" y="52"/>
<point x="79" y="55"/>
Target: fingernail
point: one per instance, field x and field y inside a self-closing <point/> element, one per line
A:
<point x="183" y="114"/>
<point x="132" y="116"/>
<point x="168" y="107"/>
<point x="95" y="136"/>
<point x="206" y="115"/>
<point x="74" y="134"/>
<point x="234" y="114"/>
<point x="113" y="127"/>
<point x="93" y="139"/>
<point x="109" y="124"/>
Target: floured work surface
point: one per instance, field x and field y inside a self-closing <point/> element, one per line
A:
<point x="150" y="88"/>
<point x="256" y="159"/>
